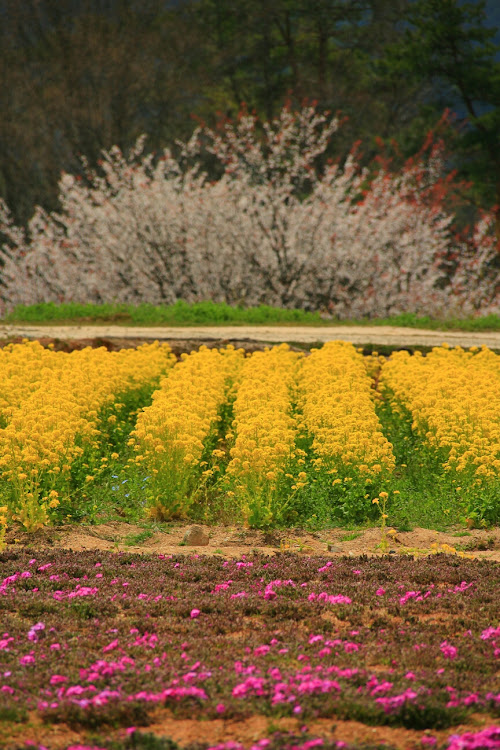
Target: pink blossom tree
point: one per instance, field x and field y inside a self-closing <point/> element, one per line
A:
<point x="278" y="227"/>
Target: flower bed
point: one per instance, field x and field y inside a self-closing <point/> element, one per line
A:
<point x="272" y="438"/>
<point x="105" y="645"/>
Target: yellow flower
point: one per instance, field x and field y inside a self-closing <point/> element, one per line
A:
<point x="454" y="399"/>
<point x="336" y="398"/>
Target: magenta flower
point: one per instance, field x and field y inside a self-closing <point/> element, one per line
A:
<point x="56" y="679"/>
<point x="486" y="738"/>
<point x="34" y="630"/>
<point x="448" y="651"/>
<point x="111" y="646"/>
<point x="27" y="659"/>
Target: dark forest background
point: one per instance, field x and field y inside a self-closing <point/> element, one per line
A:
<point x="79" y="76"/>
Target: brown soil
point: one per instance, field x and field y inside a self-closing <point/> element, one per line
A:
<point x="248" y="731"/>
<point x="231" y="542"/>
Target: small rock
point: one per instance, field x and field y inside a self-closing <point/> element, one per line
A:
<point x="333" y="548"/>
<point x="195" y="537"/>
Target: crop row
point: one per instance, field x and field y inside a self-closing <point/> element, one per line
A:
<point x="268" y="438"/>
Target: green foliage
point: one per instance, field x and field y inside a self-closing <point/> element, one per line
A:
<point x="180" y="313"/>
<point x="449" y="44"/>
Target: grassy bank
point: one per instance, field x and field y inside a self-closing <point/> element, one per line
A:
<point x="213" y="313"/>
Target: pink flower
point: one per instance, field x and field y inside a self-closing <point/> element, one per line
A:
<point x="56" y="679"/>
<point x="350" y="646"/>
<point x="490" y="633"/>
<point x="325" y="567"/>
<point x="111" y="646"/>
<point x="27" y="659"/>
<point x="316" y="638"/>
<point x="485" y="738"/>
<point x="448" y="651"/>
<point x="194" y="613"/>
<point x="34" y="630"/>
<point x="380" y="592"/>
<point x="261" y="650"/>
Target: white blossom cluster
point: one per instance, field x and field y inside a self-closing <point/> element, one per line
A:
<point x="280" y="226"/>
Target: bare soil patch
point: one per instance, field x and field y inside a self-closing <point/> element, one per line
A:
<point x="247" y="731"/>
<point x="231" y="541"/>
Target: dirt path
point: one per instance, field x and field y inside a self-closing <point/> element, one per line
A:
<point x="359" y="335"/>
<point x="232" y="542"/>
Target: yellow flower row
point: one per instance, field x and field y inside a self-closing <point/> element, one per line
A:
<point x="51" y="417"/>
<point x="263" y="424"/>
<point x="454" y="399"/>
<point x="170" y="433"/>
<point x="338" y="410"/>
<point x="22" y="368"/>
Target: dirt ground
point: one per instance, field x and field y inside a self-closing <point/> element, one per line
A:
<point x="248" y="731"/>
<point x="232" y="542"/>
<point x="390" y="336"/>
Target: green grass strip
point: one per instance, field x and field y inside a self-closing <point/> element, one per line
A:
<point x="219" y="313"/>
<point x="181" y="313"/>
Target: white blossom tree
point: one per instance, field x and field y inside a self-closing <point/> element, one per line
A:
<point x="278" y="227"/>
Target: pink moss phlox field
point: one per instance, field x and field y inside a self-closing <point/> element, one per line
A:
<point x="95" y="640"/>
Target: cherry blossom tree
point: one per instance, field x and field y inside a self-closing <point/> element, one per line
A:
<point x="279" y="226"/>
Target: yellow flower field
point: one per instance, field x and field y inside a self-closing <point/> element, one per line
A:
<point x="272" y="437"/>
<point x="454" y="399"/>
